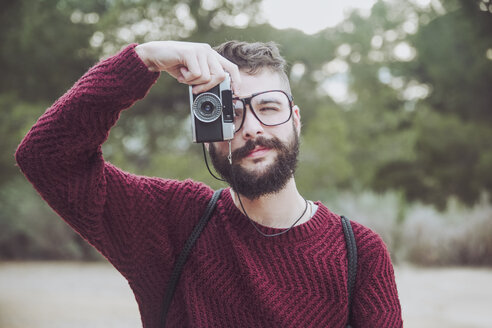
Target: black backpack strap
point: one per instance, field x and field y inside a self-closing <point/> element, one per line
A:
<point x="183" y="256"/>
<point x="351" y="259"/>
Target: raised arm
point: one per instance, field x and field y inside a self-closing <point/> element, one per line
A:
<point x="61" y="154"/>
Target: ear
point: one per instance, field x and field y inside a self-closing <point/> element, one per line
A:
<point x="207" y="145"/>
<point x="296" y="116"/>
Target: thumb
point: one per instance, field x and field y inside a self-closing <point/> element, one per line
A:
<point x="184" y="73"/>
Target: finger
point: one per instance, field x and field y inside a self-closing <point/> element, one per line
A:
<point x="216" y="70"/>
<point x="192" y="70"/>
<point x="205" y="70"/>
<point x="233" y="71"/>
<point x="217" y="75"/>
<point x="212" y="71"/>
<point x="205" y="74"/>
<point x="196" y="89"/>
<point x="199" y="88"/>
<point x="180" y="74"/>
<point x="214" y="81"/>
<point x="202" y="87"/>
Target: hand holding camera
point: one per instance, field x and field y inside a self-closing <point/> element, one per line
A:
<point x="209" y="75"/>
<point x="195" y="64"/>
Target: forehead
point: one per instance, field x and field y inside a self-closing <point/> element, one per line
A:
<point x="261" y="81"/>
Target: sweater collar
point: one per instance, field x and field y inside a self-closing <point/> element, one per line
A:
<point x="318" y="224"/>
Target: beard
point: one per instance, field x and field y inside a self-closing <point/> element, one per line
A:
<point x="271" y="179"/>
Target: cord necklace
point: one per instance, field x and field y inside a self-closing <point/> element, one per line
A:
<point x="273" y="234"/>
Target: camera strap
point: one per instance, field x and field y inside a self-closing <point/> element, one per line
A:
<point x="190" y="242"/>
<point x="351" y="262"/>
<point x="185" y="252"/>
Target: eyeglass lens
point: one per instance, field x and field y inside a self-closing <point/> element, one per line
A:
<point x="270" y="108"/>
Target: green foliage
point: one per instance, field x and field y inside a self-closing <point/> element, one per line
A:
<point x="453" y="124"/>
<point x="29" y="230"/>
<point x="16" y="118"/>
<point x="445" y="143"/>
<point x="39" y="39"/>
<point x="324" y="163"/>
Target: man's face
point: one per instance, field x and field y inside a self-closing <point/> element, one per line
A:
<point x="264" y="157"/>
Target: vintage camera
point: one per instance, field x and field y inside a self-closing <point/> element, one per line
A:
<point x="212" y="116"/>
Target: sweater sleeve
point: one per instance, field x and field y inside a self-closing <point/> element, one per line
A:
<point x="375" y="299"/>
<point x="61" y="154"/>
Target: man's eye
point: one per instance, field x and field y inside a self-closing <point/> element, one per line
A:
<point x="268" y="109"/>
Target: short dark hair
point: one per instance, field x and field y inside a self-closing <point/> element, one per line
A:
<point x="253" y="57"/>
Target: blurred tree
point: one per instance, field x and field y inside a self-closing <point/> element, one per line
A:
<point x="324" y="161"/>
<point x="418" y="98"/>
<point x="29" y="229"/>
<point x="454" y="123"/>
<point x="43" y="53"/>
<point x="39" y="39"/>
<point x="361" y="78"/>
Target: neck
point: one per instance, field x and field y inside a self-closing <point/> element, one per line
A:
<point x="279" y="210"/>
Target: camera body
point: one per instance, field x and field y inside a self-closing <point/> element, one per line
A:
<point x="212" y="115"/>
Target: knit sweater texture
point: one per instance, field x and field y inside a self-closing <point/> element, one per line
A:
<point x="234" y="277"/>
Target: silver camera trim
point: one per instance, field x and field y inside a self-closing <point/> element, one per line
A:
<point x="228" y="129"/>
<point x="200" y="100"/>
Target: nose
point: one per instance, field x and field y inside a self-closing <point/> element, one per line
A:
<point x="252" y="127"/>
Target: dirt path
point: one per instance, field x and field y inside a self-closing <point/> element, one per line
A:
<point x="39" y="295"/>
<point x="446" y="297"/>
<point x="75" y="295"/>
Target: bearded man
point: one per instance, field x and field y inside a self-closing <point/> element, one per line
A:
<point x="267" y="258"/>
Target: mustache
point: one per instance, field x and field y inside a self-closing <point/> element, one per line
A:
<point x="272" y="143"/>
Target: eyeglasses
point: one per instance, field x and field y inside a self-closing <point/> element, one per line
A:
<point x="273" y="107"/>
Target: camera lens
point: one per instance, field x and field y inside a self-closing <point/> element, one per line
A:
<point x="207" y="107"/>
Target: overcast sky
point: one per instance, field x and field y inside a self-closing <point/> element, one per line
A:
<point x="310" y="16"/>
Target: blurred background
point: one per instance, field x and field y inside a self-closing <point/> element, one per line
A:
<point x="395" y="97"/>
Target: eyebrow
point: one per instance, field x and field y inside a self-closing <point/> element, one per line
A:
<point x="269" y="101"/>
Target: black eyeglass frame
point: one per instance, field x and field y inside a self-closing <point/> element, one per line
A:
<point x="247" y="104"/>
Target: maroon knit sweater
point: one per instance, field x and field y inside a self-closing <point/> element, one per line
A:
<point x="234" y="277"/>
